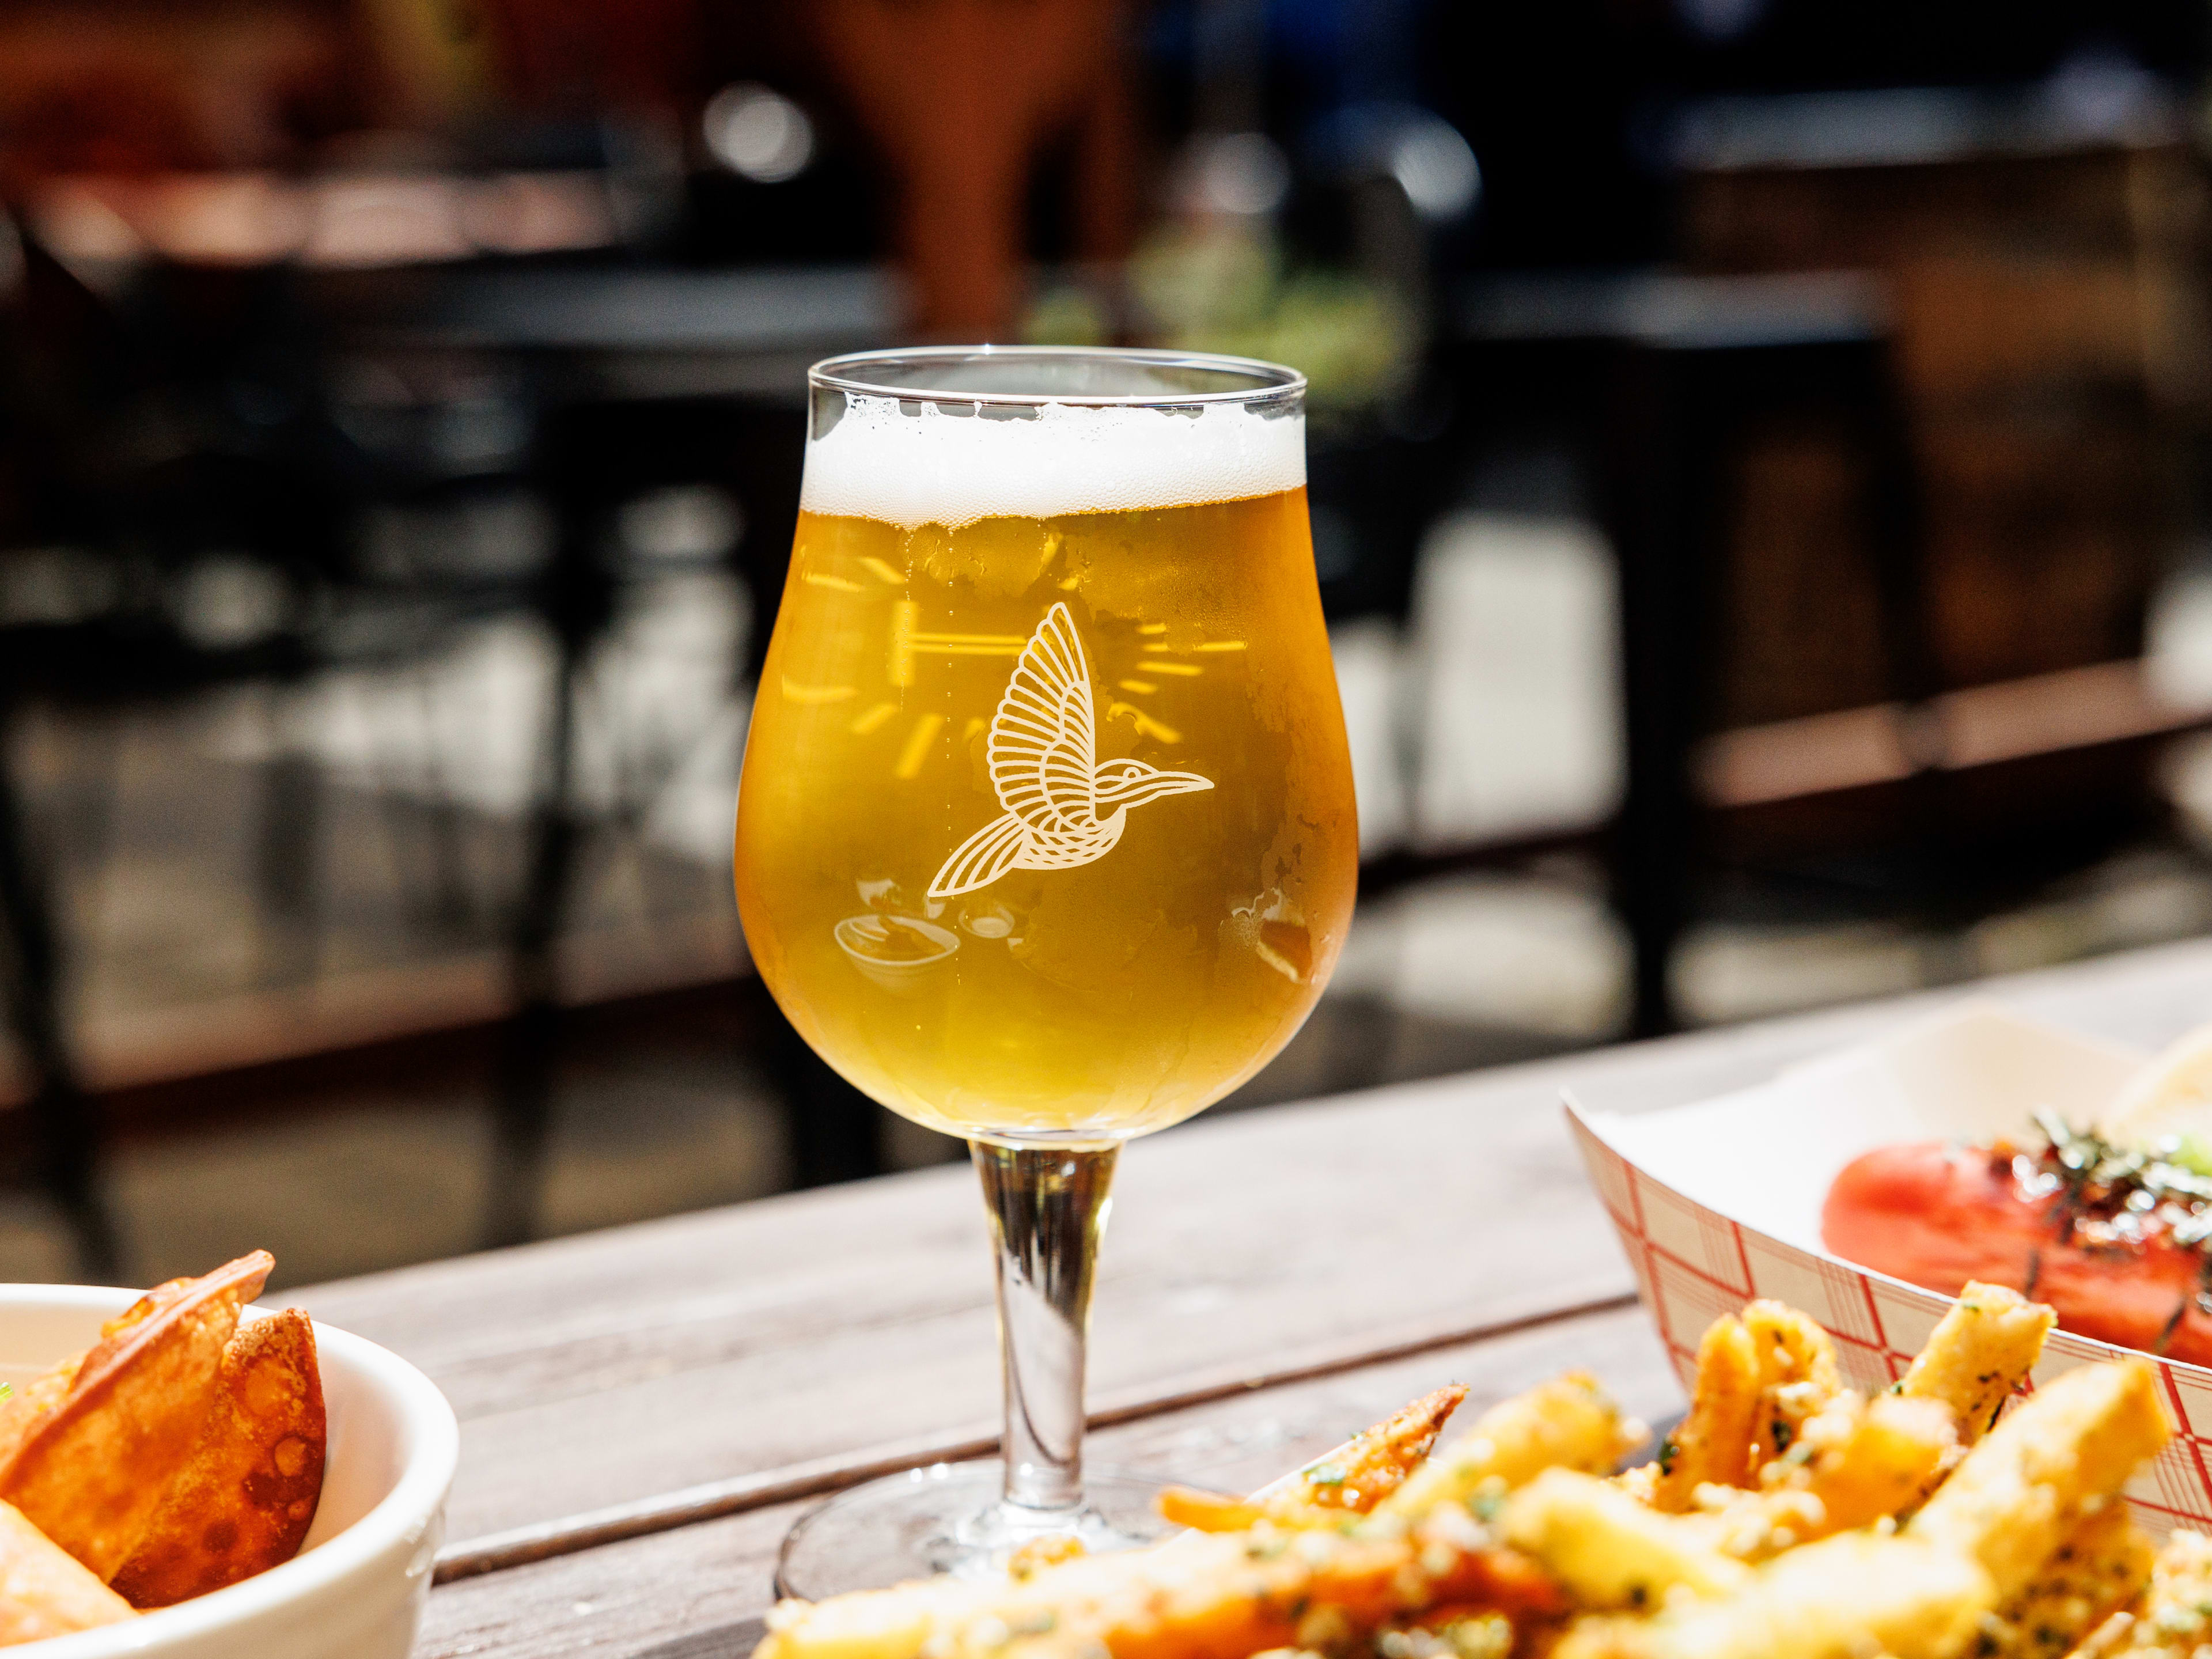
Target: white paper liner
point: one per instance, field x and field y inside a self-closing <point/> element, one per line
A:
<point x="1719" y="1202"/>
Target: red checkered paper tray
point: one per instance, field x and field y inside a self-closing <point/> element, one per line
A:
<point x="1719" y="1202"/>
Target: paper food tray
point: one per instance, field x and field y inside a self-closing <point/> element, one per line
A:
<point x="1719" y="1202"/>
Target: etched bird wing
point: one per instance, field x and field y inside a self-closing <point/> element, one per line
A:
<point x="981" y="860"/>
<point x="1043" y="746"/>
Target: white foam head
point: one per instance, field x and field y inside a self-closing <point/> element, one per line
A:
<point x="929" y="466"/>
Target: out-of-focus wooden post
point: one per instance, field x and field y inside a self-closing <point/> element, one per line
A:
<point x="961" y="94"/>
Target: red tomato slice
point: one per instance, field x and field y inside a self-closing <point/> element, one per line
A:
<point x="1937" y="1215"/>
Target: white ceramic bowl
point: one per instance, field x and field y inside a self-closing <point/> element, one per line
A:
<point x="357" y="1589"/>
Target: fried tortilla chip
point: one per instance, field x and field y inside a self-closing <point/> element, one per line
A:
<point x="147" y="1306"/>
<point x="246" y="1498"/>
<point x="29" y="1407"/>
<point x="43" y="1590"/>
<point x="90" y="1470"/>
<point x="26" y="1407"/>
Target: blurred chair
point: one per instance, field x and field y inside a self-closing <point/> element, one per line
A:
<point x="1665" y="382"/>
<point x="1944" y="695"/>
<point x="2048" y="304"/>
<point x="644" y="378"/>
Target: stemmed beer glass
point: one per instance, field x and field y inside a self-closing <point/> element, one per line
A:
<point x="1045" y="836"/>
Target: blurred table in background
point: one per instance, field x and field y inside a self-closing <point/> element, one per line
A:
<point x="442" y="389"/>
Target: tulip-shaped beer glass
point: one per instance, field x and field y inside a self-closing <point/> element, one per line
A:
<point x="1045" y="837"/>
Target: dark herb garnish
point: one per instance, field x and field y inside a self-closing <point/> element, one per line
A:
<point x="2105" y="1196"/>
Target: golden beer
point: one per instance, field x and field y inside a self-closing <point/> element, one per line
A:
<point x="957" y="915"/>
<point x="1045" y="835"/>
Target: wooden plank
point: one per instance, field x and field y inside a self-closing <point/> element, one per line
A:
<point x="853" y="1324"/>
<point x="710" y="1500"/>
<point x="828" y="1330"/>
<point x="699" y="1590"/>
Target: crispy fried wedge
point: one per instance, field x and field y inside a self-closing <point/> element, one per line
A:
<point x="89" y="1470"/>
<point x="43" y="1590"/>
<point x="246" y="1498"/>
<point x="32" y="1404"/>
<point x="147" y="1306"/>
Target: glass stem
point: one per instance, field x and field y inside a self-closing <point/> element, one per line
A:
<point x="1048" y="1209"/>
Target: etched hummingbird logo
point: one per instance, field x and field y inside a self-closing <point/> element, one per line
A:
<point x="1064" y="807"/>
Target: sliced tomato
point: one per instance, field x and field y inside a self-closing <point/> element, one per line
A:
<point x="1937" y="1215"/>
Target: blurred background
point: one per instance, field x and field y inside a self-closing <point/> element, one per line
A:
<point x="1758" y="458"/>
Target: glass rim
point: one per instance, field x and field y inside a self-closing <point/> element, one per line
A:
<point x="846" y="373"/>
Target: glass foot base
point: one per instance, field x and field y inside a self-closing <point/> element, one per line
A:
<point x="949" y="1517"/>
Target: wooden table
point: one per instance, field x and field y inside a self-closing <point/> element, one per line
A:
<point x="645" y="1411"/>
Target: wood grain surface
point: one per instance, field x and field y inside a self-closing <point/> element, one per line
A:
<point x="754" y="1344"/>
<point x="699" y="1591"/>
<point x="644" y="1380"/>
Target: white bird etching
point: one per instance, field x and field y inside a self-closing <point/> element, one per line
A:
<point x="1064" y="808"/>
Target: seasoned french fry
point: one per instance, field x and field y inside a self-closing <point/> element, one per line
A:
<point x="1714" y="1442"/>
<point x="1371" y="1465"/>
<point x="1848" y="1597"/>
<point x="1888" y="1449"/>
<point x="1448" y="1633"/>
<point x="1214" y="1511"/>
<point x="2174" y="1620"/>
<point x="1797" y="1376"/>
<point x="1979" y="1353"/>
<point x="43" y="1590"/>
<point x="1857" y="1461"/>
<point x="1769" y="1530"/>
<point x="1355" y="1477"/>
<point x="1640" y="1482"/>
<point x="2069" y="1447"/>
<point x="2102" y="1566"/>
<point x="1222" y="1597"/>
<point x="1607" y="1550"/>
<point x="1049" y="1551"/>
<point x="1569" y="1423"/>
<point x="90" y="1471"/>
<point x="1760" y="1378"/>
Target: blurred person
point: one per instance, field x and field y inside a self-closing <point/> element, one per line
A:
<point x="960" y="97"/>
